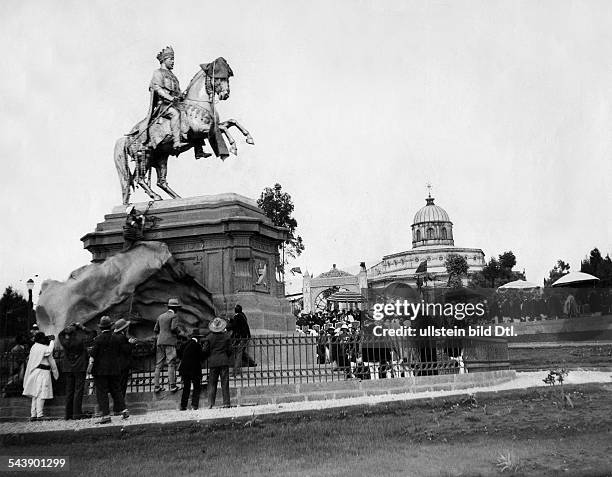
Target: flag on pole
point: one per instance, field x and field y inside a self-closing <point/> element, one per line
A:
<point x="422" y="268"/>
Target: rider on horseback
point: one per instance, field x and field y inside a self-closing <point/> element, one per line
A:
<point x="191" y="115"/>
<point x="165" y="92"/>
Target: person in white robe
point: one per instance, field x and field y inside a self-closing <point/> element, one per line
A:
<point x="37" y="378"/>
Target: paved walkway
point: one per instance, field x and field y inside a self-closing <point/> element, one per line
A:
<point x="556" y="344"/>
<point x="523" y="380"/>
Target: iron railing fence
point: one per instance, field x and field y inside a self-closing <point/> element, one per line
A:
<point x="269" y="360"/>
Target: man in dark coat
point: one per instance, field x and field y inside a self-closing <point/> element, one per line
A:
<point x="190" y="370"/>
<point x="74" y="339"/>
<point x="105" y="365"/>
<point x="241" y="334"/>
<point x="125" y="362"/>
<point x="218" y="349"/>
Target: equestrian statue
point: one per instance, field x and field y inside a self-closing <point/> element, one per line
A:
<point x="176" y="122"/>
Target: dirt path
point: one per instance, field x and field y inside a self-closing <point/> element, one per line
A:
<point x="523" y="381"/>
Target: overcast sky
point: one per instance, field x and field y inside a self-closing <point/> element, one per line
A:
<point x="505" y="107"/>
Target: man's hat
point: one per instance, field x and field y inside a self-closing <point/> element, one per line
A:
<point x="120" y="325"/>
<point x="218" y="68"/>
<point x="174" y="303"/>
<point x="105" y="323"/>
<point x="217" y="325"/>
<point x="165" y="53"/>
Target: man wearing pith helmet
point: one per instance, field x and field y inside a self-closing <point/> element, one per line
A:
<point x="218" y="350"/>
<point x="166" y="328"/>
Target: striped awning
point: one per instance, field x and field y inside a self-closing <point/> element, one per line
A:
<point x="346" y="297"/>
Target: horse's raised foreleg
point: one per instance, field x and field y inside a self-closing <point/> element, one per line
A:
<point x="232" y="122"/>
<point x="162" y="170"/>
<point x="233" y="149"/>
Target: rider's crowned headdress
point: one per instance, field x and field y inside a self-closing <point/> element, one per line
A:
<point x="165" y="53"/>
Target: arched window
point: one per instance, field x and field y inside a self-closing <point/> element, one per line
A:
<point x="430" y="233"/>
<point x="444" y="233"/>
<point x="418" y="235"/>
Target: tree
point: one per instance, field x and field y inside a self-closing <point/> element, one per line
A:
<point x="507" y="261"/>
<point x="457" y="267"/>
<point x="278" y="207"/>
<point x="498" y="271"/>
<point x="13" y="313"/>
<point x="491" y="272"/>
<point x="599" y="267"/>
<point x="560" y="269"/>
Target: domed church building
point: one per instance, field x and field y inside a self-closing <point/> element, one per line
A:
<point x="432" y="242"/>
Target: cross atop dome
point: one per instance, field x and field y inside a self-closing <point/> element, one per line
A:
<point x="430" y="199"/>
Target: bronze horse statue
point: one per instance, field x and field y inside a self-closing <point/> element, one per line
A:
<point x="149" y="143"/>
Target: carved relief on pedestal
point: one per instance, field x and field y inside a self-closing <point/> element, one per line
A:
<point x="261" y="274"/>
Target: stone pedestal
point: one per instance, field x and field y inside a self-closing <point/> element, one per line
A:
<point x="225" y="242"/>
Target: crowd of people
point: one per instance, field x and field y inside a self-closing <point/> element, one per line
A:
<point x="314" y="324"/>
<point x="337" y="333"/>
<point x="549" y="304"/>
<point x="107" y="355"/>
<point x="524" y="305"/>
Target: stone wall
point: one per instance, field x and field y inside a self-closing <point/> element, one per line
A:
<point x="16" y="409"/>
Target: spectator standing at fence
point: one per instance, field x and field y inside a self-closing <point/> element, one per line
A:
<point x="321" y="348"/>
<point x="105" y="365"/>
<point x="241" y="335"/>
<point x="569" y="307"/>
<point x="362" y="370"/>
<point x="218" y="350"/>
<point x="190" y="370"/>
<point x="37" y="378"/>
<point x="167" y="327"/>
<point x="125" y="360"/>
<point x="74" y="339"/>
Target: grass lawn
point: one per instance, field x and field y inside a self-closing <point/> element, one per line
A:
<point x="445" y="437"/>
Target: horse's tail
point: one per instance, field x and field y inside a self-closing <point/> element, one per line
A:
<point x="123" y="169"/>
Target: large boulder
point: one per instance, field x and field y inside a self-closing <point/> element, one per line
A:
<point x="135" y="284"/>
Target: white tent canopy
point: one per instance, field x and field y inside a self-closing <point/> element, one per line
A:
<point x="518" y="285"/>
<point x="574" y="277"/>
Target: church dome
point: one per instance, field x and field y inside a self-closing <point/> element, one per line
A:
<point x="432" y="226"/>
<point x="430" y="213"/>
